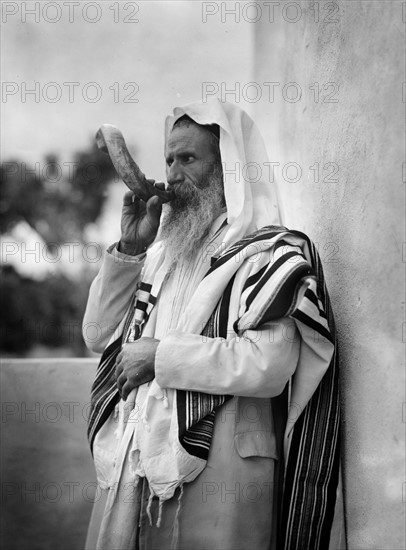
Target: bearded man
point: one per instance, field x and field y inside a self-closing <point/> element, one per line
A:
<point x="214" y="419"/>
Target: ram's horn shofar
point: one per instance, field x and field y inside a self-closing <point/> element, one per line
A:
<point x="110" y="140"/>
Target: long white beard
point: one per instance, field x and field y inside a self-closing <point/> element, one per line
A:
<point x="188" y="218"/>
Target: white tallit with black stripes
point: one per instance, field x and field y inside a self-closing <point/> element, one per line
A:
<point x="290" y="285"/>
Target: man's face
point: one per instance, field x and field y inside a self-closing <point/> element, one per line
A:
<point x="190" y="157"/>
<point x="194" y="171"/>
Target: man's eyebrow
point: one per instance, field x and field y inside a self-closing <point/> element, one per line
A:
<point x="181" y="152"/>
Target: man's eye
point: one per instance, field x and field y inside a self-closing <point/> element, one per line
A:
<point x="189" y="158"/>
<point x="169" y="162"/>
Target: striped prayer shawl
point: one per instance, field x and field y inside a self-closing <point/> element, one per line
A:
<point x="197" y="411"/>
<point x="290" y="286"/>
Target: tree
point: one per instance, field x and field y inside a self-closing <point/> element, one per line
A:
<point x="57" y="200"/>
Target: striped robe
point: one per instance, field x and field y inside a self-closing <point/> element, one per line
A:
<point x="308" y="423"/>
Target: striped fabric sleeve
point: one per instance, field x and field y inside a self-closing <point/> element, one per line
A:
<point x="285" y="287"/>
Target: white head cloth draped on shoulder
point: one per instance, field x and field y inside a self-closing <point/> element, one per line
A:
<point x="250" y="193"/>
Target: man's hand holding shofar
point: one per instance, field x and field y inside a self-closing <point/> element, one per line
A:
<point x="143" y="205"/>
<point x="135" y="365"/>
<point x="139" y="223"/>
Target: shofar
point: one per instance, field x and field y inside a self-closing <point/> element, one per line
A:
<point x="110" y="140"/>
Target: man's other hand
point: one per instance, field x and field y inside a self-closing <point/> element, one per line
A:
<point x="135" y="365"/>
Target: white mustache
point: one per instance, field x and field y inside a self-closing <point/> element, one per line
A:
<point x="183" y="189"/>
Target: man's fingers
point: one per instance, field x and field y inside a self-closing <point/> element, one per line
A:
<point x="126" y="390"/>
<point x="128" y="198"/>
<point x="119" y="367"/>
<point x="154" y="209"/>
<point x="160" y="185"/>
<point x="132" y="202"/>
<point x="121" y="381"/>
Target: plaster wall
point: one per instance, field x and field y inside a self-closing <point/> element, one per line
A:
<point x="342" y="126"/>
<point x="47" y="473"/>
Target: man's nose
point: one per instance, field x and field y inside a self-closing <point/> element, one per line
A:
<point x="175" y="174"/>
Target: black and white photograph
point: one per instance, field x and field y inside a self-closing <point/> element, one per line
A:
<point x="203" y="254"/>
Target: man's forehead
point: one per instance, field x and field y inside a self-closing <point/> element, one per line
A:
<point x="190" y="136"/>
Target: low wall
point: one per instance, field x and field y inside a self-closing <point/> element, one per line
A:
<point x="47" y="473"/>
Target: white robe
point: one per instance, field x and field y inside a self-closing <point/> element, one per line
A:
<point x="230" y="504"/>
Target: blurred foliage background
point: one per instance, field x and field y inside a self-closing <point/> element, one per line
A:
<point x="57" y="205"/>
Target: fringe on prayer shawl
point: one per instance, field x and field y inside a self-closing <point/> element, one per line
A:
<point x="291" y="286"/>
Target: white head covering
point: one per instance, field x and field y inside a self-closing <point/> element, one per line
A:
<point x="251" y="196"/>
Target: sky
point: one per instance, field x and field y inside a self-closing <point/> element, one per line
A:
<point x="129" y="67"/>
<point x="67" y="68"/>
